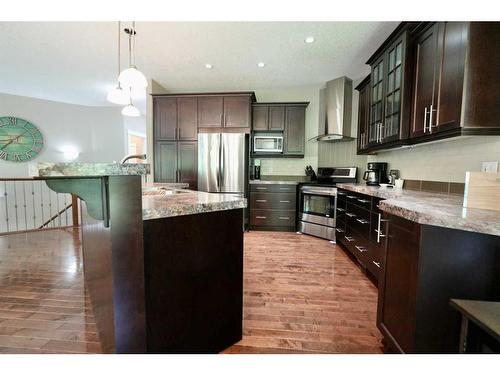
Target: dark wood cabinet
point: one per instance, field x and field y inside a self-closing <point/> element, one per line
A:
<point x="363" y="114"/>
<point x="210" y="111"/>
<point x="273" y="207"/>
<point x="177" y="162"/>
<point x="165" y="119"/>
<point x="423" y="267"/>
<point x="187" y="119"/>
<point x="260" y="118"/>
<point x="294" y="136"/>
<point x="268" y="117"/>
<point x="225" y="111"/>
<point x="276" y="117"/>
<point x="237" y="112"/>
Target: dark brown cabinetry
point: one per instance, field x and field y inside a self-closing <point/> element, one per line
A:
<point x="177" y="162"/>
<point x="363" y="114"/>
<point x="175" y="119"/>
<point x="433" y="80"/>
<point x="229" y="111"/>
<point x="288" y="119"/>
<point x="423" y="268"/>
<point x="361" y="229"/>
<point x="273" y="207"/>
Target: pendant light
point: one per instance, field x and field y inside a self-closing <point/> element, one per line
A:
<point x="118" y="95"/>
<point x="132" y="77"/>
<point x="131" y="110"/>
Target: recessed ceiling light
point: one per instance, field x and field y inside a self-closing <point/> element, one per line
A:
<point x="261" y="64"/>
<point x="309" y="40"/>
<point x="209" y="66"/>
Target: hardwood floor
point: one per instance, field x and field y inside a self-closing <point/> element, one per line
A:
<point x="301" y="295"/>
<point x="305" y="295"/>
<point x="43" y="304"/>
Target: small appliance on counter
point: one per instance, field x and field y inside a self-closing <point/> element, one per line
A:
<point x="256" y="169"/>
<point x="376" y="174"/>
<point x="310" y="173"/>
<point x="393" y="176"/>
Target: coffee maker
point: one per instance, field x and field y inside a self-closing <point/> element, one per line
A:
<point x="375" y="174"/>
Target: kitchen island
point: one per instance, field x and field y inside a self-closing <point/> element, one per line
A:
<point x="429" y="249"/>
<point x="163" y="266"/>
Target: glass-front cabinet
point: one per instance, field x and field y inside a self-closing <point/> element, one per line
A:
<point x="387" y="87"/>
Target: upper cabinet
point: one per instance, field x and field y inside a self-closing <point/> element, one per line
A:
<point x="363" y="114"/>
<point x="228" y="111"/>
<point x="175" y="119"/>
<point x="288" y="119"/>
<point x="432" y="80"/>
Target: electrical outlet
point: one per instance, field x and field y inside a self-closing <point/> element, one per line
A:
<point x="490" y="166"/>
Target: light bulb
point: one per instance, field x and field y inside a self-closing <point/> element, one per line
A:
<point x="69" y="152"/>
<point x="118" y="96"/>
<point x="131" y="110"/>
<point x="132" y="77"/>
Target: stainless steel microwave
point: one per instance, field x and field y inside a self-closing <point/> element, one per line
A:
<point x="266" y="143"/>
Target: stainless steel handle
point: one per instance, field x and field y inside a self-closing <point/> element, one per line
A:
<point x="425" y="119"/>
<point x="361" y="249"/>
<point x="350" y="239"/>
<point x="376" y="263"/>
<point x="339" y="230"/>
<point x="381" y="132"/>
<point x="284" y="201"/>
<point x="340" y="209"/>
<point x="350" y="214"/>
<point x="261" y="188"/>
<point x="379" y="228"/>
<point x="261" y="217"/>
<point x="351" y="196"/>
<point x="261" y="200"/>
<point x="284" y="188"/>
<point x="363" y="221"/>
<point x="340" y="193"/>
<point x="363" y="201"/>
<point x="430" y="118"/>
<point x="284" y="218"/>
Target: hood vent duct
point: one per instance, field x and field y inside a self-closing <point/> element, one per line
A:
<point x="335" y="111"/>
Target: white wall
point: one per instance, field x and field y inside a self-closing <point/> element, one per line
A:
<point x="96" y="132"/>
<point x="294" y="166"/>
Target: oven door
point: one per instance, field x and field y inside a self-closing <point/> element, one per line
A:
<point x="317" y="208"/>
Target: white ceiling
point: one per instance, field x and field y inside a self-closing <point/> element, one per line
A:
<point x="75" y="62"/>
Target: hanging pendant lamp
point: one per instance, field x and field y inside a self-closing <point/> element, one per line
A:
<point x="132" y="77"/>
<point x="118" y="95"/>
<point x="131" y="110"/>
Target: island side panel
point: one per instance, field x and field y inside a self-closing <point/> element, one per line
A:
<point x="97" y="266"/>
<point x="125" y="208"/>
<point x="194" y="282"/>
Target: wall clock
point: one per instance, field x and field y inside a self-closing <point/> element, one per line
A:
<point x="20" y="140"/>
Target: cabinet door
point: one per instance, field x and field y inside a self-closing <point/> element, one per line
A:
<point x="395" y="60"/>
<point x="451" y="50"/>
<point x="210" y="110"/>
<point x="260" y="118"/>
<point x="426" y="64"/>
<point x="363" y="117"/>
<point x="165" y="161"/>
<point x="187" y="112"/>
<point x="294" y="135"/>
<point x="237" y="112"/>
<point x="188" y="163"/>
<point x="276" y="118"/>
<point x="165" y="118"/>
<point x="376" y="102"/>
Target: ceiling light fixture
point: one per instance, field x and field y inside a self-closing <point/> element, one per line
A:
<point x="261" y="64"/>
<point x="131" y="110"/>
<point x="309" y="40"/>
<point x="209" y="66"/>
<point x="132" y="77"/>
<point x="118" y="95"/>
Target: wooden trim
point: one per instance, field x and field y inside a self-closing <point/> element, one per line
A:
<point x="363" y="83"/>
<point x="296" y="104"/>
<point x="202" y="130"/>
<point x="251" y="94"/>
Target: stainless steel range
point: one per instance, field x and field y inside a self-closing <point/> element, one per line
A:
<point x="318" y="202"/>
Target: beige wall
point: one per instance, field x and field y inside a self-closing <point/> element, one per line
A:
<point x="294" y="166"/>
<point x="443" y="161"/>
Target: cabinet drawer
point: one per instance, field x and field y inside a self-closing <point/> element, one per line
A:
<point x="357" y="245"/>
<point x="360" y="225"/>
<point x="273" y="188"/>
<point x="353" y="210"/>
<point x="360" y="200"/>
<point x="280" y="218"/>
<point x="272" y="201"/>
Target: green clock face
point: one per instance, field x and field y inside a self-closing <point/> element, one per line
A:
<point x="20" y="140"/>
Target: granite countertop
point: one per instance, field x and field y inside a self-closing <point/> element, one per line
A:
<point x="46" y="169"/>
<point x="486" y="314"/>
<point x="188" y="202"/>
<point x="164" y="185"/>
<point x="281" y="180"/>
<point x="437" y="209"/>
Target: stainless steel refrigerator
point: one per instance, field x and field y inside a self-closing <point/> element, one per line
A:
<point x="222" y="162"/>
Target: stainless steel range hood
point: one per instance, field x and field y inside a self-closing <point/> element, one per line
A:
<point x="335" y="111"/>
